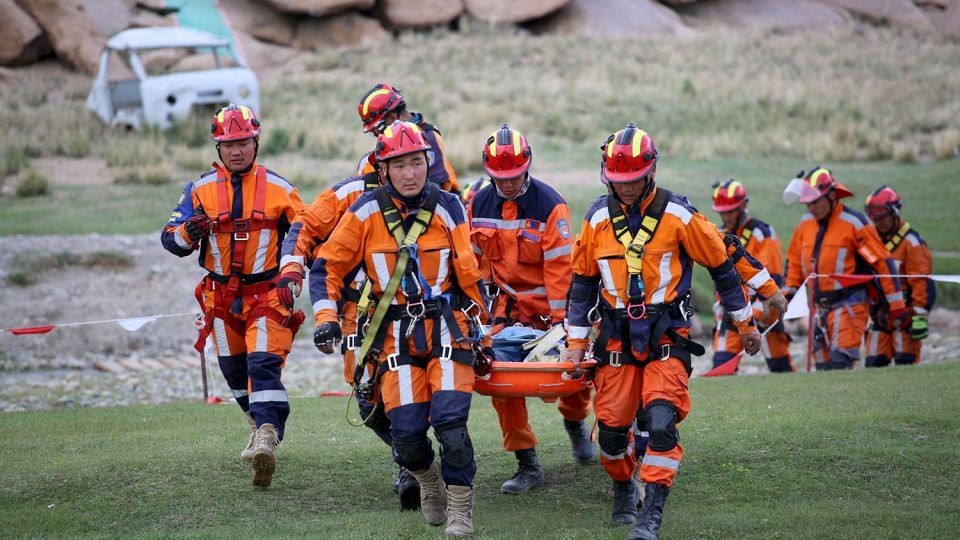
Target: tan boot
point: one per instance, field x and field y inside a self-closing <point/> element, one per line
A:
<point x="459" y="511"/>
<point x="247" y="454"/>
<point x="264" y="461"/>
<point x="433" y="496"/>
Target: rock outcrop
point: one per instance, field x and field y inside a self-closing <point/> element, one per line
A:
<point x="23" y="40"/>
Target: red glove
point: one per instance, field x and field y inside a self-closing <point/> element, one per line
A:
<point x="197" y="226"/>
<point x="900" y="318"/>
<point x="289" y="287"/>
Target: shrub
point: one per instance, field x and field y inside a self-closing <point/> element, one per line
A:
<point x="278" y="141"/>
<point x="14" y="160"/>
<point x="32" y="183"/>
<point x="153" y="175"/>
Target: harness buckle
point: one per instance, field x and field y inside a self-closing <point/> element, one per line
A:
<point x="632" y="311"/>
<point x="241" y="225"/>
<point x="593" y="316"/>
<point x="664" y="352"/>
<point x="392" y="362"/>
<point x="615" y="359"/>
<point x="352" y="342"/>
<point x="446" y="352"/>
<point x="416" y="310"/>
<point x="241" y="236"/>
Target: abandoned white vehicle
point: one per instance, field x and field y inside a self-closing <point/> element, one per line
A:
<point x="155" y="76"/>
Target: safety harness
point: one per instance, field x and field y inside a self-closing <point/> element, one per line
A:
<point x="660" y="317"/>
<point x="419" y="305"/>
<point x="898" y="237"/>
<point x="747" y="233"/>
<point x="230" y="290"/>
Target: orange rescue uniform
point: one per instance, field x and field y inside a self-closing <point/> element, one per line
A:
<point x="844" y="243"/>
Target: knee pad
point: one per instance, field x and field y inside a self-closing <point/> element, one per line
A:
<point x="456" y="448"/>
<point x="412" y="450"/>
<point x="613" y="440"/>
<point x="662" y="425"/>
<point x="234" y="369"/>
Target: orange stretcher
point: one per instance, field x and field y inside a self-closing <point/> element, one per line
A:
<point x="545" y="380"/>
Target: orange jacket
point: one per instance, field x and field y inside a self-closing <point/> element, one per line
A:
<point x="445" y="258"/>
<point x="683" y="236"/>
<point x="314" y="225"/>
<point x="262" y="253"/>
<point x="845" y="243"/>
<point x="912" y="256"/>
<point x="524" y="245"/>
<point x="440" y="170"/>
<point x="761" y="241"/>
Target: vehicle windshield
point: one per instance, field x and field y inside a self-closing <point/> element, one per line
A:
<point x="175" y="60"/>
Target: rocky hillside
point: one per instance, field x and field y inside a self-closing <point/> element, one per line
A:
<point x="271" y="33"/>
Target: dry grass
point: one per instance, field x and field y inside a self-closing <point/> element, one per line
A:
<point x="862" y="93"/>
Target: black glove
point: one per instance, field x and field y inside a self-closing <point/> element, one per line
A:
<point x="326" y="336"/>
<point x="197" y="226"/>
<point x="484" y="358"/>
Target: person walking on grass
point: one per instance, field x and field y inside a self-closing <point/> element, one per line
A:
<point x="412" y="240"/>
<point x="236" y="215"/>
<point x="520" y="231"/>
<point x="760" y="240"/>
<point x="632" y="270"/>
<point x="834" y="239"/>
<point x="911" y="256"/>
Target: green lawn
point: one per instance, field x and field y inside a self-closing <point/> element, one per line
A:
<point x="863" y="454"/>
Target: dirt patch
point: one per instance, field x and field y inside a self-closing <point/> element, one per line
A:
<point x="63" y="171"/>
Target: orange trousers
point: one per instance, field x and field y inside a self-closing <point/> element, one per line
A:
<point x="838" y="334"/>
<point x="896" y="346"/>
<point x="620" y="391"/>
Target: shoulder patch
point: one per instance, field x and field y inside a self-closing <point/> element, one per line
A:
<point x="183" y="197"/>
<point x="564" y="228"/>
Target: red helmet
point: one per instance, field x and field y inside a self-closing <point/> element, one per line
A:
<point x="233" y="123"/>
<point x="882" y="201"/>
<point x="628" y="156"/>
<point x="506" y="154"/>
<point x="818" y="182"/>
<point x="399" y="139"/>
<point x="377" y="103"/>
<point x="728" y="195"/>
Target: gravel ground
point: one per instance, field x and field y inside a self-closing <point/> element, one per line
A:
<point x="135" y="276"/>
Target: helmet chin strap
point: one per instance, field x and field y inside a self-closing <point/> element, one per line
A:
<point x="523" y="188"/>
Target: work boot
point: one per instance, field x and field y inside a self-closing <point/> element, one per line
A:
<point x="459" y="511"/>
<point x="264" y="461"/>
<point x="579" y="440"/>
<point x="529" y="473"/>
<point x="648" y="523"/>
<point x="407" y="487"/>
<point x="433" y="495"/>
<point x="625" y="497"/>
<point x="247" y="454"/>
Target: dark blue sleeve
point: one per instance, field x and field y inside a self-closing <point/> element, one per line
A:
<point x="183" y="211"/>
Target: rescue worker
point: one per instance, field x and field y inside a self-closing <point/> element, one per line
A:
<point x="413" y="238"/>
<point x="632" y="269"/>
<point x="471" y="189"/>
<point x="380" y="107"/>
<point x="520" y="230"/>
<point x="761" y="241"/>
<point x="833" y="239"/>
<point x="237" y="215"/>
<point x="911" y="257"/>
<point x="311" y="228"/>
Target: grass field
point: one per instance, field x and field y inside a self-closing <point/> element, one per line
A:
<point x="864" y="454"/>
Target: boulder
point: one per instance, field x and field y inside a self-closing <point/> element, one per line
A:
<point x="421" y="13"/>
<point x="317" y="8"/>
<point x="896" y="12"/>
<point x="512" y="11"/>
<point x="763" y="14"/>
<point x="262" y="56"/>
<point x="109" y="16"/>
<point x="23" y="39"/>
<point x="948" y="22"/>
<point x="71" y="32"/>
<point x="613" y="18"/>
<point x="260" y="20"/>
<point x="345" y="30"/>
